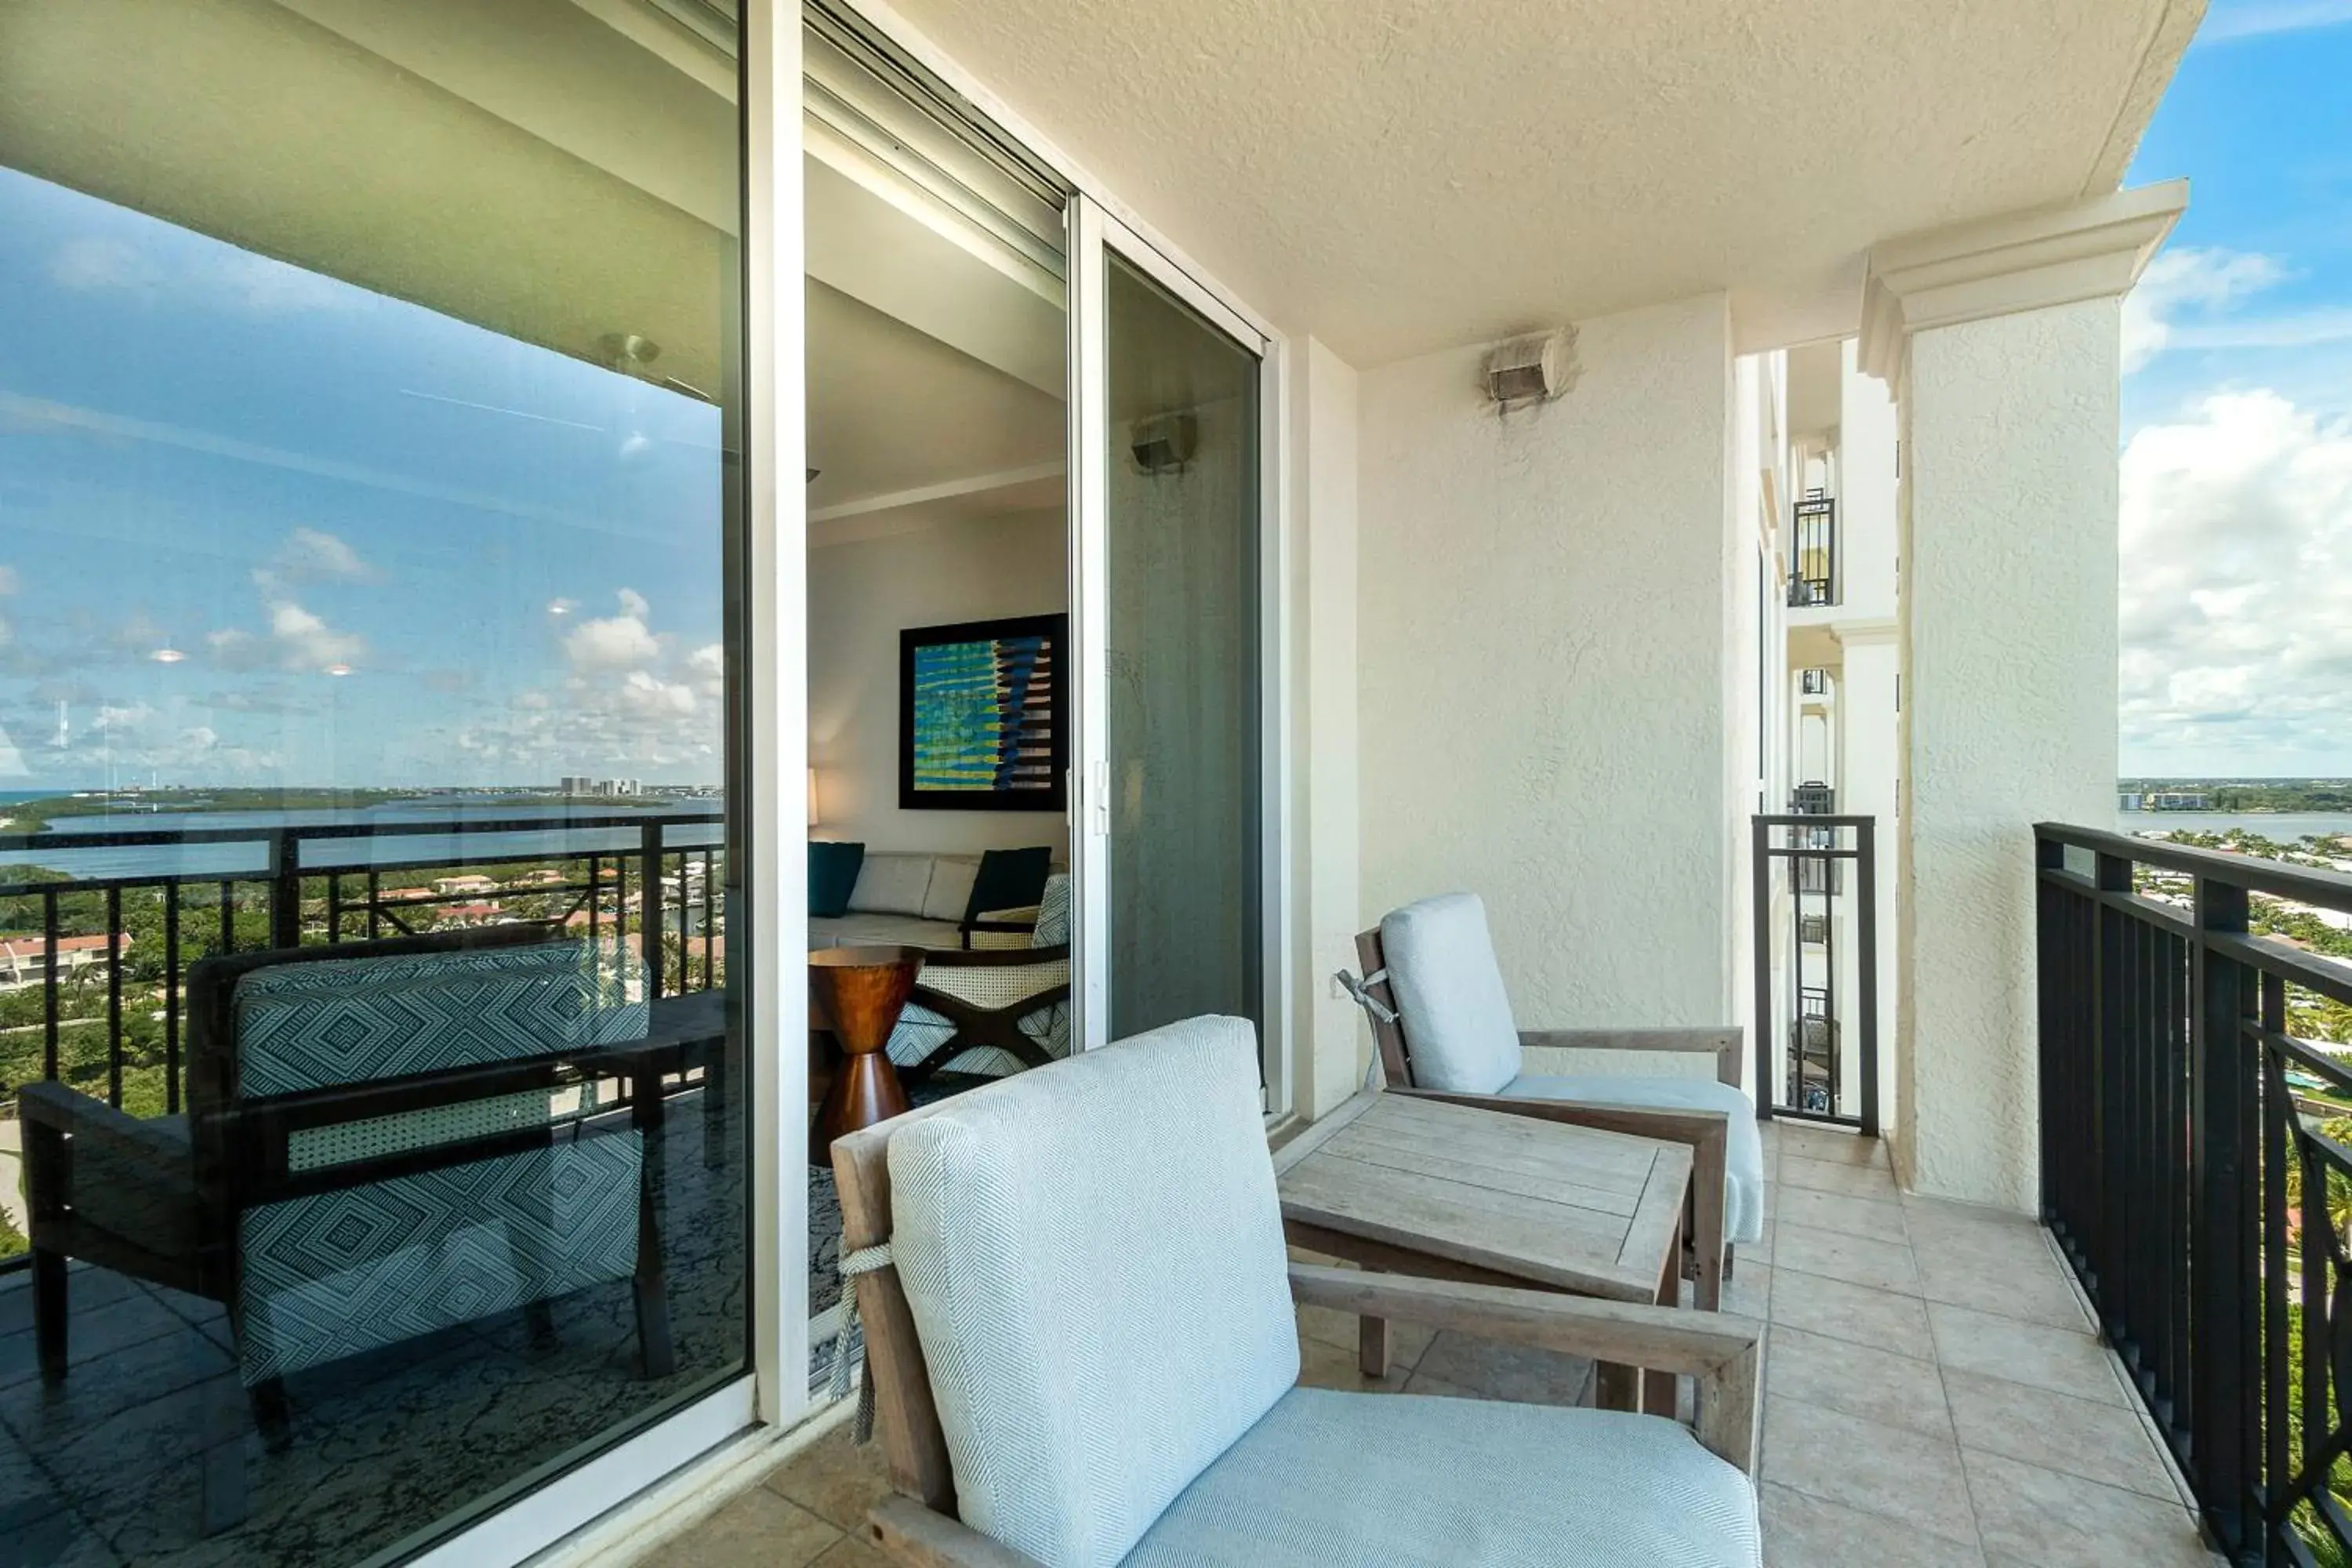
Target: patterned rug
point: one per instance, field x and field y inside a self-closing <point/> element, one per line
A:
<point x="825" y="1202"/>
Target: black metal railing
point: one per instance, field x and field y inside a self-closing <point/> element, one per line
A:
<point x="2194" y="1167"/>
<point x="1812" y="555"/>
<point x="1797" y="862"/>
<point x="98" y="980"/>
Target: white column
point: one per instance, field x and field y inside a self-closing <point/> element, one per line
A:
<point x="1866" y="785"/>
<point x="2010" y="399"/>
<point x="1332" y="1043"/>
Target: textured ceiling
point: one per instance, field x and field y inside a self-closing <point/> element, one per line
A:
<point x="1399" y="175"/>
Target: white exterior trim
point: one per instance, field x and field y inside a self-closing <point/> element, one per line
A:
<point x="1998" y="266"/>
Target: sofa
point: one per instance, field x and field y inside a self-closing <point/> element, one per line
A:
<point x="903" y="899"/>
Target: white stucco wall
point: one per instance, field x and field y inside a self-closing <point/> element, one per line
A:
<point x="1332" y="1042"/>
<point x="2009" y="695"/>
<point x="1544" y="688"/>
<point x="1866" y="461"/>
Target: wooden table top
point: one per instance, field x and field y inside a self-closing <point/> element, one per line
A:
<point x="1569" y="1207"/>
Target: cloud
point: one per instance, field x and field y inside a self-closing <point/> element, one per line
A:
<point x="2236" y="592"/>
<point x="623" y="642"/>
<point x="218" y="276"/>
<point x="2205" y="280"/>
<point x="2258" y="18"/>
<point x="309" y="555"/>
<point x="86" y="265"/>
<point x="7" y="580"/>
<point x="306" y="642"/>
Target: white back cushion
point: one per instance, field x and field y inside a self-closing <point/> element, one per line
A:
<point x="1093" y="1252"/>
<point x="952" y="879"/>
<point x="892" y="885"/>
<point x="1456" y="1016"/>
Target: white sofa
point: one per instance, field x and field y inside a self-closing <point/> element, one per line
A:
<point x="902" y="900"/>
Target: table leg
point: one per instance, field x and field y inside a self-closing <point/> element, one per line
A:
<point x="1372" y="1346"/>
<point x="1658" y="1388"/>
<point x="1615" y="1387"/>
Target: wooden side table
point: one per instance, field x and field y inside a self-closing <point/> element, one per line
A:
<point x="859" y="991"/>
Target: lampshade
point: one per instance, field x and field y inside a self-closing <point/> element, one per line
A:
<point x="811" y="774"/>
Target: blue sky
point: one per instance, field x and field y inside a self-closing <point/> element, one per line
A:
<point x="259" y="527"/>
<point x="2237" y="459"/>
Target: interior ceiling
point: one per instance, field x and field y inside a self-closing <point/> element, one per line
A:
<point x="1397" y="176"/>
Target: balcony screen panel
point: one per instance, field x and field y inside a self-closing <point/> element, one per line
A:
<point x="370" y="518"/>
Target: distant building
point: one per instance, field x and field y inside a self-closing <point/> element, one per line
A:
<point x="25" y="961"/>
<point x="473" y="914"/>
<point x="2129" y="800"/>
<point x="468" y="884"/>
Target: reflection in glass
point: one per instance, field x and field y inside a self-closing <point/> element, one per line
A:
<point x="364" y="732"/>
<point x="1183" y="662"/>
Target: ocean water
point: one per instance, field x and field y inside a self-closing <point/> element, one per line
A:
<point x="2285" y="826"/>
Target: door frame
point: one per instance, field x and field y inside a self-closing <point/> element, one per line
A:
<point x="1095" y="231"/>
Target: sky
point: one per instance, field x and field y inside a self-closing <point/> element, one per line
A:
<point x="261" y="528"/>
<point x="2237" y="410"/>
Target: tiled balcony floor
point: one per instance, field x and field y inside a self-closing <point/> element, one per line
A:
<point x="1934" y="1395"/>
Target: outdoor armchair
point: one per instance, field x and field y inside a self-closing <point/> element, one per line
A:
<point x="1081" y="1348"/>
<point x="1000" y="1006"/>
<point x="1441" y="1020"/>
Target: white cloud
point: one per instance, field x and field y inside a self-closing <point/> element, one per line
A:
<point x="306" y="642"/>
<point x="2201" y="279"/>
<point x="2236" y="591"/>
<point x="2256" y="18"/>
<point x="310" y="555"/>
<point x="7" y="580"/>
<point x="85" y="265"/>
<point x="623" y="642"/>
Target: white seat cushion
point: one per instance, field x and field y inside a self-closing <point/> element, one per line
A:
<point x="1093" y="1253"/>
<point x="1458" y="1028"/>
<point x="1382" y="1479"/>
<point x="1743" y="1148"/>
<point x="881" y="931"/>
<point x="949" y="897"/>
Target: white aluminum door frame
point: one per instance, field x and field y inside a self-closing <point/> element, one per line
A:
<point x="1092" y="232"/>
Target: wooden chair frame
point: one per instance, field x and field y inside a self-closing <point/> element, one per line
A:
<point x="1707" y="1132"/>
<point x="998" y="1027"/>
<point x="1723" y="1355"/>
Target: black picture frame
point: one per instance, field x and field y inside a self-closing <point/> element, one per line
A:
<point x="1040" y="783"/>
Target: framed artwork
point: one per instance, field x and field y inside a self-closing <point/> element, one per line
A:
<point x="981" y="724"/>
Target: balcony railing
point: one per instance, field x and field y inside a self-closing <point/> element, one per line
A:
<point x="2194" y="1169"/>
<point x="1812" y="558"/>
<point x="1801" y="969"/>
<point x="111" y="1024"/>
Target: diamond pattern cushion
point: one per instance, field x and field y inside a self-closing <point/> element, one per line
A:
<point x="1093" y="1253"/>
<point x="1743" y="1146"/>
<point x="1457" y="1021"/>
<point x="1376" y="1480"/>
<point x="1053" y="912"/>
<point x="327" y="1022"/>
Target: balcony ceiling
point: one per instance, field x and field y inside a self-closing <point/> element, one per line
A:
<point x="1397" y="176"/>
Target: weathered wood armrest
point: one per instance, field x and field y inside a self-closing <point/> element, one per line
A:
<point x="908" y="1532"/>
<point x="1723" y="1355"/>
<point x="1721" y="1043"/>
<point x="68" y="1110"/>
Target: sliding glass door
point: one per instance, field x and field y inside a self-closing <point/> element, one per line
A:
<point x="1173" y="851"/>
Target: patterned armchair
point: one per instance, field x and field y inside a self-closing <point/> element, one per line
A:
<point x="385" y="1139"/>
<point x="999" y="1008"/>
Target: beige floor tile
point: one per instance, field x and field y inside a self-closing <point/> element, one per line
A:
<point x="1406" y="1340"/>
<point x="1877" y="1385"/>
<point x="1322" y="1365"/>
<point x="1507" y="1371"/>
<point x="1749" y="1292"/>
<point x="2105" y="1443"/>
<point x="1866" y="1465"/>
<point x="1801" y="1531"/>
<point x="2061" y="1361"/>
<point x="1924" y="1212"/>
<point x="1857" y="1261"/>
<point x="850" y="1552"/>
<point x="1881" y="1319"/>
<point x="1837" y="1176"/>
<point x="758" y="1529"/>
<point x="1879" y="1219"/>
<point x="1423" y="1383"/>
<point x="835" y="1478"/>
<point x="1796" y="1143"/>
<point x="2011" y="1272"/>
<point x="2054" y="1521"/>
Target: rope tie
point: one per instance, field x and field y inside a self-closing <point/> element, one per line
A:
<point x="1362" y="989"/>
<point x="865" y="1260"/>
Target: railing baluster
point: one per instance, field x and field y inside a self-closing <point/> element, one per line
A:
<point x="2221" y="1223"/>
<point x="114" y="997"/>
<point x="50" y="983"/>
<point x="171" y="999"/>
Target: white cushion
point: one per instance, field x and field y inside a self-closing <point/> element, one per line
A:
<point x="949" y="897"/>
<point x="881" y="931"/>
<point x="892" y="885"/>
<point x="1456" y="1016"/>
<point x="1380" y="1479"/>
<point x="1743" y="1147"/>
<point x="1093" y="1253"/>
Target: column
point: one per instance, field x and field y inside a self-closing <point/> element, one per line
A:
<point x="2003" y="341"/>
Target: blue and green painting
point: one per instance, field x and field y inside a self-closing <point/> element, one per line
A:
<point x="984" y="716"/>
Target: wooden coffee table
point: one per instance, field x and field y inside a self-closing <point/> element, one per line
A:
<point x="1411" y="1185"/>
<point x="859" y="992"/>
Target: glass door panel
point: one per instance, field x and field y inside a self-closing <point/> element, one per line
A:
<point x="1177" y="784"/>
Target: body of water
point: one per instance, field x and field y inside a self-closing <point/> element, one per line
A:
<point x="2283" y="827"/>
<point x="250" y="857"/>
